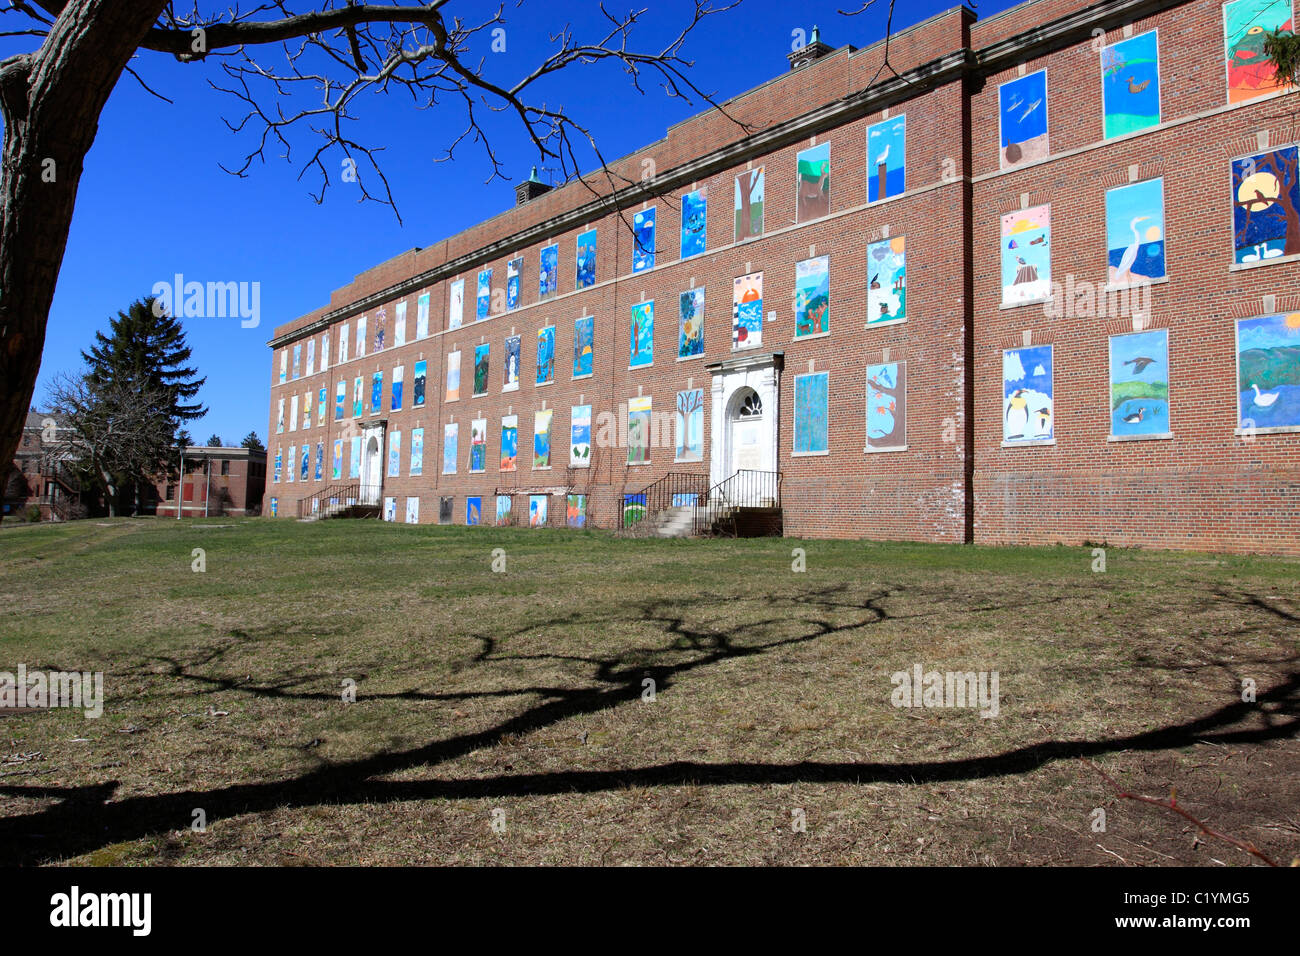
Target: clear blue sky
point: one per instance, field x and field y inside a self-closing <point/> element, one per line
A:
<point x="153" y="201"/>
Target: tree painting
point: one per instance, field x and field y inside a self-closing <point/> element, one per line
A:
<point x="481" y="369"/>
<point x="887" y="407"/>
<point x="690" y="425"/>
<point x="1266" y="205"/>
<point x="814" y="183"/>
<point x="641" y="335"/>
<point x="749" y="204"/>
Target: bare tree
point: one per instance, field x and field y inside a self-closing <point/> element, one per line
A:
<point x="116" y="432"/>
<point x="335" y="51"/>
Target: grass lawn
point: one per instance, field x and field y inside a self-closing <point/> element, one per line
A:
<point x="518" y="698"/>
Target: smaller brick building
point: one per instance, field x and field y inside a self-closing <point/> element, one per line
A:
<point x="216" y="482"/>
<point x="39" y="477"/>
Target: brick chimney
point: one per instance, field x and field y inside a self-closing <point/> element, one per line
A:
<point x="530" y="189"/>
<point x="814" y="50"/>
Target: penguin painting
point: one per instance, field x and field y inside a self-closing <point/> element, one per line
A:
<point x="1017" y="416"/>
<point x="1043" y="421"/>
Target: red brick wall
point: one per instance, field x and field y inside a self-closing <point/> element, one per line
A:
<point x="1204" y="488"/>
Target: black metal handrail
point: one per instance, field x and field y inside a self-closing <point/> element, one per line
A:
<point x="343" y="492"/>
<point x="747" y="488"/>
<point x="660" y="496"/>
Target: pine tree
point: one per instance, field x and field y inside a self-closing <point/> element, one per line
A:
<point x="214" y="441"/>
<point x="252" y="442"/>
<point x="145" y="351"/>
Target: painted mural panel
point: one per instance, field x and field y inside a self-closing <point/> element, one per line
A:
<point x="450" y="445"/>
<point x="1135" y="233"/>
<point x="1130" y="84"/>
<point x="545" y="355"/>
<point x="320" y="461"/>
<point x="638" y="430"/>
<point x="514" y="281"/>
<point x="1268" y="372"/>
<point x="376" y="393"/>
<point x="748" y="204"/>
<point x="887" y="407"/>
<point x="747" y="312"/>
<point x="1266" y="205"/>
<point x="279" y="464"/>
<point x="390" y="509"/>
<point x="399" y="325"/>
<point x="361" y="336"/>
<point x="325" y="352"/>
<point x="643" y="248"/>
<point x="306" y="410"/>
<point x="580" y="436"/>
<point x="510" y="366"/>
<point x="306" y="462"/>
<point x="478" y="446"/>
<point x="695" y="220"/>
<point x="813" y="182"/>
<point x="887" y="281"/>
<point x="483" y="297"/>
<point x="358" y="393"/>
<point x="481" y="353"/>
<point x="344" y="340"/>
<point x="394" y="454"/>
<point x="297" y="361"/>
<point x="412" y="510"/>
<point x="1027" y="406"/>
<point x="456" y="304"/>
<point x="509" y="442"/>
<point x="634" y="508"/>
<point x="275" y="507"/>
<point x="422" y="317"/>
<point x="399" y="377"/>
<point x="417" y="451"/>
<point x="284" y="363"/>
<point x="354" y="458"/>
<point x="340" y="399"/>
<point x="689" y="425"/>
<point x="811" y="413"/>
<point x="291" y="463"/>
<point x="1022" y="103"/>
<point x="641" y="335"/>
<point x="584" y="271"/>
<point x="336" y="472"/>
<point x="453" y="376"/>
<point x="548" y="272"/>
<point x="279" y="417"/>
<point x="473" y="510"/>
<point x="1246" y="23"/>
<point x="576" y="511"/>
<point x="584" y="340"/>
<point x="311" y="357"/>
<point x="537" y="515"/>
<point x="690" y="323"/>
<point x="542" y="437"/>
<point x="504" y="503"/>
<point x="445" y="505"/>
<point x="1027" y="255"/>
<point x="887" y="159"/>
<point x="421" y="381"/>
<point x="381" y="328"/>
<point x="812" y="296"/>
<point x="1139" y="384"/>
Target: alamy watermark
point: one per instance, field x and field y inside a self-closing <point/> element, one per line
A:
<point x="78" y="690"/>
<point x="922" y="688"/>
<point x="212" y="300"/>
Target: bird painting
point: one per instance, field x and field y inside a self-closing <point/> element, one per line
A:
<point x="1124" y="270"/>
<point x="1043" y="419"/>
<point x="1264" y="399"/>
<point x="1139" y="364"/>
<point x="1017" y="416"/>
<point x="1135" y="88"/>
<point x="1136" y="417"/>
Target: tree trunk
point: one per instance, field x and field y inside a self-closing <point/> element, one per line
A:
<point x="51" y="101"/>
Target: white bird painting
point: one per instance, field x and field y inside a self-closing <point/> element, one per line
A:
<point x="1264" y="399"/>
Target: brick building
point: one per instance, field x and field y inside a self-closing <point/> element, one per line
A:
<point x="1035" y="280"/>
<point x="42" y="477"/>
<point x="215" y="481"/>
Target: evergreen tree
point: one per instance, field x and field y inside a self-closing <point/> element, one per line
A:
<point x="214" y="441"/>
<point x="145" y="351"/>
<point x="252" y="442"/>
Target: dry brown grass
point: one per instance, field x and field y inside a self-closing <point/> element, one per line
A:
<point x="521" y="692"/>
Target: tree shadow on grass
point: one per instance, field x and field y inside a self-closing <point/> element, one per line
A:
<point x="86" y="818"/>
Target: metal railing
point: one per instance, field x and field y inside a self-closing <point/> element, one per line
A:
<point x="331" y="501"/>
<point x="673" y="490"/>
<point x="747" y="488"/>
